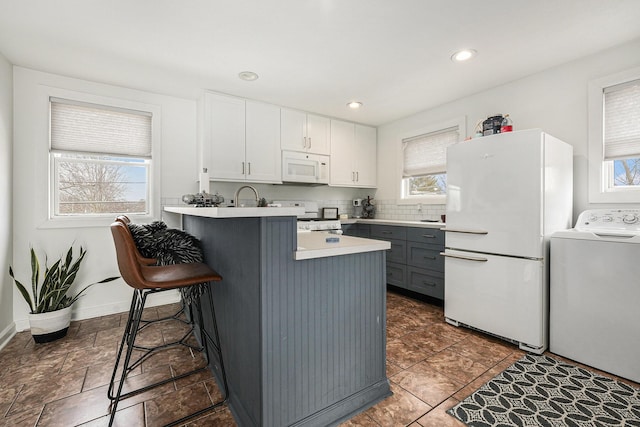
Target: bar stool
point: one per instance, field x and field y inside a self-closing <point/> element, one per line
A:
<point x="147" y="279"/>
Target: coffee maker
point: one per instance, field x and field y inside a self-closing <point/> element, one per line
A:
<point x="357" y="208"/>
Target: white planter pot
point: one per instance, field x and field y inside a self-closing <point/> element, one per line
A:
<point x="50" y="326"/>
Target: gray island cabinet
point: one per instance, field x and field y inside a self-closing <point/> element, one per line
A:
<point x="301" y="321"/>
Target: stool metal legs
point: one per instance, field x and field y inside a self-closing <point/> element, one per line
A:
<point x="135" y="324"/>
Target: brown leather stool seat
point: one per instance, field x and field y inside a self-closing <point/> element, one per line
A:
<point x="146" y="279"/>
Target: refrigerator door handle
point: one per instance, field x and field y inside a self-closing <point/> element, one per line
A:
<point x="454" y="230"/>
<point x="466" y="257"/>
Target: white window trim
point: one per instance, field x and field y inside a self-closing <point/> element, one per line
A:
<point x="597" y="166"/>
<point x="48" y="218"/>
<point x="461" y="123"/>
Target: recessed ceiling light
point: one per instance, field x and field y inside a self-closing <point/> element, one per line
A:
<point x="354" y="105"/>
<point x="248" y="76"/>
<point x="463" y="55"/>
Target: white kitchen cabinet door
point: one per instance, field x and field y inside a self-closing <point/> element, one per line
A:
<point x="342" y="154"/>
<point x="501" y="295"/>
<point x="224" y="151"/>
<point x="366" y="157"/>
<point x="304" y="132"/>
<point x="263" y="159"/>
<point x="353" y="155"/>
<point x="293" y="127"/>
<point x="318" y="131"/>
<point x="495" y="188"/>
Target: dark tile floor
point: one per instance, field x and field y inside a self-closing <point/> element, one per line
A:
<point x="431" y="366"/>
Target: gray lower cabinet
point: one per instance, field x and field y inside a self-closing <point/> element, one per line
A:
<point x="414" y="261"/>
<point x="356" y="230"/>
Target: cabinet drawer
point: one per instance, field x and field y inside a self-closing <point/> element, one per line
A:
<point x="350" y="229"/>
<point x="432" y="236"/>
<point x="387" y="232"/>
<point x="398" y="251"/>
<point x="363" y="230"/>
<point x="426" y="282"/>
<point x="397" y="274"/>
<point x="425" y="256"/>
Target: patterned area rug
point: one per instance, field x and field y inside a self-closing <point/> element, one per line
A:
<point x="541" y="391"/>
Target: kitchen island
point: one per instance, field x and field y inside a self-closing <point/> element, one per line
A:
<point x="301" y="320"/>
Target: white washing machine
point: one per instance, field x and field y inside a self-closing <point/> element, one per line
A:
<point x="594" y="295"/>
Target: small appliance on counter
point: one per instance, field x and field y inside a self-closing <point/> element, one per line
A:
<point x="357" y="208"/>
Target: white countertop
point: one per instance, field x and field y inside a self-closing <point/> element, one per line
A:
<point x="314" y="245"/>
<point x="226" y="212"/>
<point x="394" y="222"/>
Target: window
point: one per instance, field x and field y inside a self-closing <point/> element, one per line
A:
<point x="100" y="159"/>
<point x="424" y="163"/>
<point x="614" y="139"/>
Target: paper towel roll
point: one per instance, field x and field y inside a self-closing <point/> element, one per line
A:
<point x="204" y="181"/>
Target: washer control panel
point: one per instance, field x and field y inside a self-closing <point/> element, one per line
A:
<point x="609" y="220"/>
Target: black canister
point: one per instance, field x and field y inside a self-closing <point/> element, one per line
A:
<point x="492" y="125"/>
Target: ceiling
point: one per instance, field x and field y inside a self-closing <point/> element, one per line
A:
<point x="314" y="55"/>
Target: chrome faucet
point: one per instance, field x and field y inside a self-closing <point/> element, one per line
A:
<point x="235" y="197"/>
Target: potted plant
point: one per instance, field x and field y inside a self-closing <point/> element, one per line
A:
<point x="49" y="300"/>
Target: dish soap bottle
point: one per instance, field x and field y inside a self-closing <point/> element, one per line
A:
<point x="507" y="124"/>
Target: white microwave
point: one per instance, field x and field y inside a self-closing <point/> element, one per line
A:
<point x="305" y="168"/>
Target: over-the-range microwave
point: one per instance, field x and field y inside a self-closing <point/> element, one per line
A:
<point x="305" y="168"/>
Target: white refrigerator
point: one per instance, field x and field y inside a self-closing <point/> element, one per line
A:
<point x="506" y="195"/>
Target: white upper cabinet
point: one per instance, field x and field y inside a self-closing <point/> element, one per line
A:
<point x="242" y="140"/>
<point x="304" y="132"/>
<point x="353" y="155"/>
<point x="366" y="156"/>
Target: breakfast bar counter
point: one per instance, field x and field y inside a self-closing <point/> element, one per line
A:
<point x="302" y="327"/>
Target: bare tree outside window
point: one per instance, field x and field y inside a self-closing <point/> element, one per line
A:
<point x="627" y="172"/>
<point x="428" y="184"/>
<point x="92" y="186"/>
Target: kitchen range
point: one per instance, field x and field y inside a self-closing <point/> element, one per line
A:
<point x="310" y="220"/>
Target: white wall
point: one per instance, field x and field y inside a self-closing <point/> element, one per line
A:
<point x="6" y="130"/>
<point x="554" y="100"/>
<point x="178" y="172"/>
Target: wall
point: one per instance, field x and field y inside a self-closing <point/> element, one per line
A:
<point x="7" y="327"/>
<point x="178" y="164"/>
<point x="554" y="100"/>
<point x="30" y="203"/>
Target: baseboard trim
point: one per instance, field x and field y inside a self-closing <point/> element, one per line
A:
<point x="6" y="335"/>
<point x="161" y="298"/>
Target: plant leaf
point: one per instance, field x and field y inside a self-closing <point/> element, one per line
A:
<point x="22" y="290"/>
<point x="35" y="275"/>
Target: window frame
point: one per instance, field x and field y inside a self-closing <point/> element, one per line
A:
<point x="154" y="179"/>
<point x="600" y="171"/>
<point x="435" y="199"/>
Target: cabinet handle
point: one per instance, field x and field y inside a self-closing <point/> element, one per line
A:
<point x="424" y="282"/>
<point x="249" y="168"/>
<point x="468" y="258"/>
<point x="357" y="176"/>
<point x="430" y="257"/>
<point x="242" y="168"/>
<point x="387" y="232"/>
<point x="309" y="142"/>
<point x="429" y="236"/>
<point x="453" y="230"/>
<point x="353" y="176"/>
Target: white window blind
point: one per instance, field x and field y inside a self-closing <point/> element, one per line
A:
<point x="94" y="129"/>
<point x="622" y="121"/>
<point x="427" y="154"/>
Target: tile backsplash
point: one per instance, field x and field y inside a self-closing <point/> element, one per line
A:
<point x="388" y="209"/>
<point x="385" y="209"/>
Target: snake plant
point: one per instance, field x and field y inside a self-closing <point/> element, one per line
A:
<point x="51" y="294"/>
